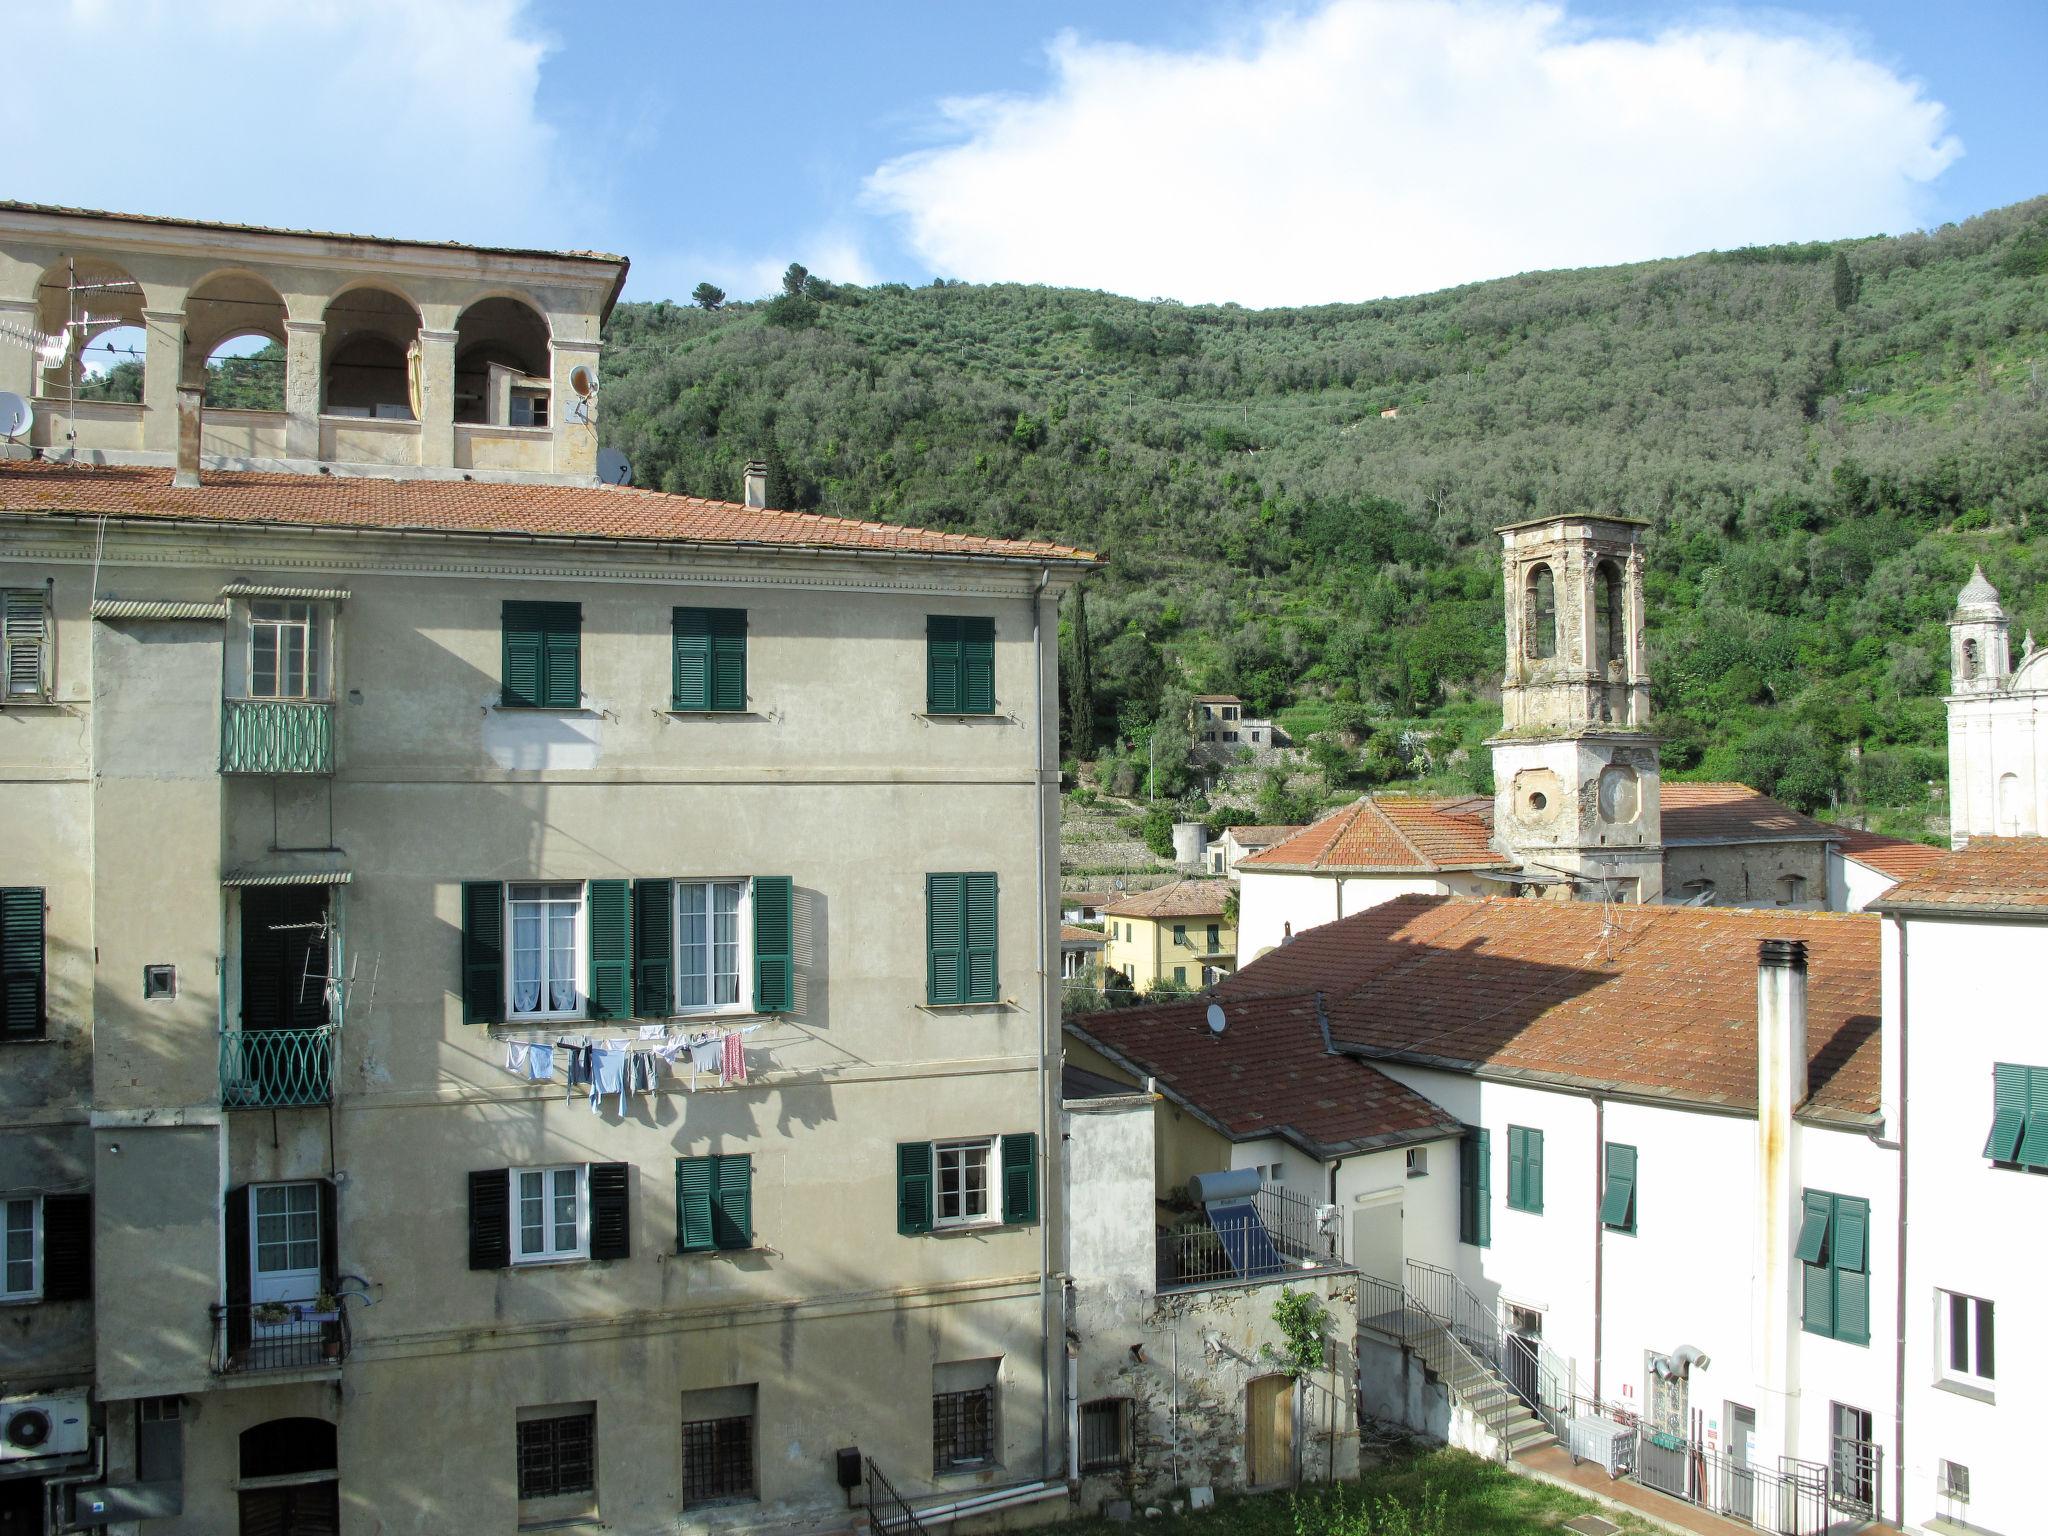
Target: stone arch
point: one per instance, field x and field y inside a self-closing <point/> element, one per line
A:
<point x="1610" y="615"/>
<point x="1539" y="612"/>
<point x="1970" y="661"/>
<point x="95" y="306"/>
<point x="369" y="354"/>
<point x="288" y="1448"/>
<point x="502" y="331"/>
<point x="235" y="341"/>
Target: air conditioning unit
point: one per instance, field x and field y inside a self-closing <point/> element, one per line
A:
<point x="32" y="1427"/>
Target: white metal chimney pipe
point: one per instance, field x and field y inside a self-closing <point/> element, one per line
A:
<point x="1780" y="1089"/>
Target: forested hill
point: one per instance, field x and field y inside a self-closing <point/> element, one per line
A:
<point x="1824" y="436"/>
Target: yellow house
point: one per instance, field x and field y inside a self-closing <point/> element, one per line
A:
<point x="1178" y="933"/>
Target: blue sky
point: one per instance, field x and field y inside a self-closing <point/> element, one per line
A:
<point x="1228" y="151"/>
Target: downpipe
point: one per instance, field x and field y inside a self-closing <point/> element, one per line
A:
<point x="1049" y="1038"/>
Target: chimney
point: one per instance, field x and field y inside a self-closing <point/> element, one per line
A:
<point x="186" y="475"/>
<point x="757" y="482"/>
<point x="1780" y="1089"/>
<point x="1780" y="1027"/>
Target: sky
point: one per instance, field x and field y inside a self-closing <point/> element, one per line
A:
<point x="1206" y="151"/>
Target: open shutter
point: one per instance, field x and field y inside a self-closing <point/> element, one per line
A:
<point x="978" y="666"/>
<point x="981" y="980"/>
<point x="691" y="686"/>
<point x="1484" y="1194"/>
<point x="1468" y="1187"/>
<point x="913" y="1187"/>
<point x="2034" y="1140"/>
<point x="483" y="951"/>
<point x="611" y="949"/>
<point x="1852" y="1270"/>
<point x="945" y="899"/>
<point x="1532" y="1171"/>
<point x="235" y="1235"/>
<point x="732" y="1201"/>
<point x="1020" y="1178"/>
<point x="610" y="1221"/>
<point x="694" y="1178"/>
<point x="24" y="628"/>
<point x="330" y="1237"/>
<point x="1618" y="1205"/>
<point x="729" y="658"/>
<point x="654" y="987"/>
<point x="1813" y="1228"/>
<point x="774" y="944"/>
<point x="21" y="963"/>
<point x="521" y="664"/>
<point x="2008" y="1113"/>
<point x="490" y="1219"/>
<point x="67" y="1247"/>
<point x="942" y="665"/>
<point x="1517" y="1172"/>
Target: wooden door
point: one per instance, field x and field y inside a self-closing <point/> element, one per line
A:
<point x="1269" y="1431"/>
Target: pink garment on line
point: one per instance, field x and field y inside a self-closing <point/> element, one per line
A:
<point x="733" y="1066"/>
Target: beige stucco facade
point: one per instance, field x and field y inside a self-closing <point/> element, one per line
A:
<point x="1182" y="951"/>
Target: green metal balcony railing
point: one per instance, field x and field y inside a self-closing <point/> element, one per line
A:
<point x="276" y="1068"/>
<point x="276" y="736"/>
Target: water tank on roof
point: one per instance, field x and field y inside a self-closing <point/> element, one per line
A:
<point x="1190" y="844"/>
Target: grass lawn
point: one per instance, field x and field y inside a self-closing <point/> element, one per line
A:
<point x="1423" y="1493"/>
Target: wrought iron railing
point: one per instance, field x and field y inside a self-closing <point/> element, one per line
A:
<point x="1286" y="1238"/>
<point x="891" y="1512"/>
<point x="278" y="1336"/>
<point x="277" y="1068"/>
<point x="276" y="736"/>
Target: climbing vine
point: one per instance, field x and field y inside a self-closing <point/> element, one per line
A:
<point x="1301" y="1320"/>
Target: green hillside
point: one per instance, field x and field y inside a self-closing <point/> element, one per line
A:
<point x="1824" y="436"/>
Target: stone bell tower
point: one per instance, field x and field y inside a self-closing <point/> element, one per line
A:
<point x="1576" y="777"/>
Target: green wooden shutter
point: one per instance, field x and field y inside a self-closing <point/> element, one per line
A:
<point x="1815" y="1213"/>
<point x="732" y="1201"/>
<point x="2008" y="1113"/>
<point x="2034" y="1142"/>
<point x="1618" y="1205"/>
<point x="978" y="666"/>
<point x="710" y="658"/>
<point x="1020" y="1178"/>
<point x="654" y="989"/>
<point x="562" y="656"/>
<point x="522" y="662"/>
<point x="942" y="665"/>
<point x="483" y="951"/>
<point x="67" y="1247"/>
<point x="490" y="1221"/>
<point x="774" y="944"/>
<point x="980" y="983"/>
<point x="729" y="658"/>
<point x="1532" y="1160"/>
<point x="694" y="1179"/>
<point x="611" y="1221"/>
<point x="1485" y="1190"/>
<point x="21" y="963"/>
<point x="1475" y="1189"/>
<point x="1852" y="1270"/>
<point x="690" y="686"/>
<point x="610" y="918"/>
<point x="913" y="1187"/>
<point x="945" y="923"/>
<point x="1517" y="1171"/>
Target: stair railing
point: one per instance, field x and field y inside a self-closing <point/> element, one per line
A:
<point x="896" y="1513"/>
<point x="1445" y="1297"/>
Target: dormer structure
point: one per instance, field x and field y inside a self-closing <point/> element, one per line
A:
<point x="1997" y="722"/>
<point x="1576" y="776"/>
<point x="386" y="357"/>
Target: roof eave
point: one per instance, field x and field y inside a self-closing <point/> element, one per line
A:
<point x="1911" y="908"/>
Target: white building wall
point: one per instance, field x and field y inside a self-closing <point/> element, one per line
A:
<point x="1852" y="884"/>
<point x="1996" y="744"/>
<point x="1972" y="1000"/>
<point x="1268" y="902"/>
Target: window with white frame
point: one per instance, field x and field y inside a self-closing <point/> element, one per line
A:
<point x="963" y="1182"/>
<point x="21" y="1249"/>
<point x="712" y="922"/>
<point x="1964" y="1329"/>
<point x="286" y="650"/>
<point x="547" y="950"/>
<point x="550" y="1215"/>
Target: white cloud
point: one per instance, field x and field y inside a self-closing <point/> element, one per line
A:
<point x="1397" y="146"/>
<point x="835" y="254"/>
<point x="385" y="117"/>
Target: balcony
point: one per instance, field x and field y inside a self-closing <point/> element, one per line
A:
<point x="276" y="1068"/>
<point x="276" y="736"/>
<point x="1274" y="1235"/>
<point x="251" y="1338"/>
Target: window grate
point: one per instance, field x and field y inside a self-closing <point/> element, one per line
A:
<point x="963" y="1428"/>
<point x="718" y="1459"/>
<point x="1105" y="1435"/>
<point x="558" y="1456"/>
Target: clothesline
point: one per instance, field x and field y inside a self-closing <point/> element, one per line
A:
<point x="620" y="1067"/>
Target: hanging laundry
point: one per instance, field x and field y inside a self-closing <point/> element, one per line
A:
<point x="607" y="1074"/>
<point x="579" y="1064"/>
<point x="733" y="1063"/>
<point x="653" y="1031"/>
<point x="516" y="1057"/>
<point x="707" y="1054"/>
<point x="540" y="1062"/>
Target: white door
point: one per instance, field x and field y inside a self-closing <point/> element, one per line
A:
<point x="284" y="1249"/>
<point x="1376" y="1239"/>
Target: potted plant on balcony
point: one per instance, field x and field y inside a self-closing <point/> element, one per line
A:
<point x="323" y="1308"/>
<point x="271" y="1314"/>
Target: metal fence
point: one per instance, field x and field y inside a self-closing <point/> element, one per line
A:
<point x="277" y="1336"/>
<point x="276" y="1068"/>
<point x="1287" y="1237"/>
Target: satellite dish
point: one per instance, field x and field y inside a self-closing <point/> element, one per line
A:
<point x="583" y="380"/>
<point x="1216" y="1019"/>
<point x="15" y="414"/>
<point x="613" y="467"/>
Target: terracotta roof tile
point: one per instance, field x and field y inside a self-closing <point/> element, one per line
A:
<point x="1732" y="813"/>
<point x="1071" y="933"/>
<point x="1390" y="833"/>
<point x="1267" y="1074"/>
<point x="463" y="506"/>
<point x="1260" y="837"/>
<point x="1993" y="874"/>
<point x="1653" y="1000"/>
<point x="1894" y="856"/>
<point x="1183" y="898"/>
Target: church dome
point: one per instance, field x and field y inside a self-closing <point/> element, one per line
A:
<point x="1977" y="592"/>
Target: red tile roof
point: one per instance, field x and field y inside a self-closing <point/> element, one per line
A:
<point x="1732" y="813"/>
<point x="1659" y="1001"/>
<point x="463" y="506"/>
<point x="1894" y="856"/>
<point x="1183" y="898"/>
<point x="1267" y="1074"/>
<point x="1260" y="837"/>
<point x="1072" y="933"/>
<point x="1992" y="875"/>
<point x="1390" y="834"/>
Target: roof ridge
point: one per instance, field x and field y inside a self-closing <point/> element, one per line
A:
<point x="1425" y="860"/>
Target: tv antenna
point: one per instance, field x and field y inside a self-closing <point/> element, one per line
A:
<point x="16" y="414"/>
<point x="613" y="467"/>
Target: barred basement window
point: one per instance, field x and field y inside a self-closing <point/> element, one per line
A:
<point x="1955" y="1481"/>
<point x="718" y="1453"/>
<point x="963" y="1429"/>
<point x="1106" y="1435"/>
<point x="558" y="1456"/>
